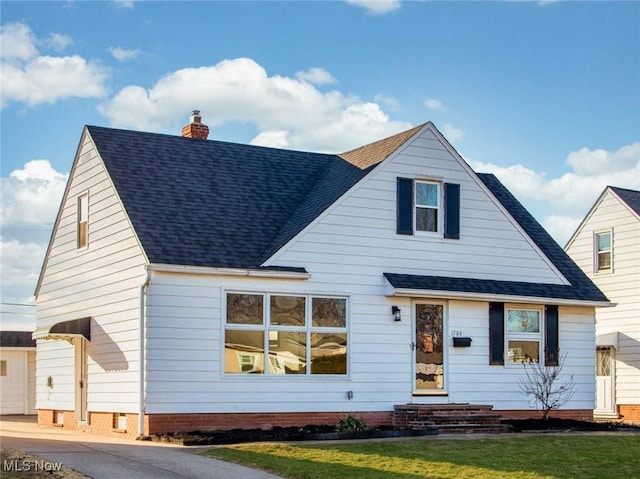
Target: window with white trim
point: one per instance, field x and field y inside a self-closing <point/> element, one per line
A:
<point x="83" y="221"/>
<point x="523" y="335"/>
<point x="283" y="334"/>
<point x="603" y="251"/>
<point x="427" y="204"/>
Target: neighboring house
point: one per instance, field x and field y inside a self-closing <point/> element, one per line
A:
<point x="17" y="373"/>
<point x="606" y="246"/>
<point x="194" y="284"/>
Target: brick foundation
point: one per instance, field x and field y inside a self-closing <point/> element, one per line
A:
<point x="161" y="423"/>
<point x="629" y="413"/>
<point x="577" y="414"/>
<point x="103" y="423"/>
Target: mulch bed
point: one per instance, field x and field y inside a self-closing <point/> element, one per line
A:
<point x="556" y="424"/>
<point x="306" y="433"/>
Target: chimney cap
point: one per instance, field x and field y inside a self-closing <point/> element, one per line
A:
<point x="195" y="116"/>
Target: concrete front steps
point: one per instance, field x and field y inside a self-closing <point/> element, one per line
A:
<point x="448" y="418"/>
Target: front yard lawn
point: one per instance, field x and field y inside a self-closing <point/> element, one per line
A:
<point x="560" y="456"/>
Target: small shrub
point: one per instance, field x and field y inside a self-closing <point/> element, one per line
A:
<point x="352" y="423"/>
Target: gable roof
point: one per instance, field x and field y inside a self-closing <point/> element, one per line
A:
<point x="218" y="204"/>
<point x="630" y="197"/>
<point x="580" y="288"/>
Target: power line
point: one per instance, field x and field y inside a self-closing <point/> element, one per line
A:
<point x="19" y="304"/>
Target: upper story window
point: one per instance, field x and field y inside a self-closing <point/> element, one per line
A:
<point x="428" y="206"/>
<point x="83" y="221"/>
<point x="603" y="251"/>
<point x="427" y="203"/>
<point x="284" y="334"/>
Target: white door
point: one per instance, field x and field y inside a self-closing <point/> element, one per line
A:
<point x="605" y="399"/>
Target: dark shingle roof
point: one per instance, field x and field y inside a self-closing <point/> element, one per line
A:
<point x="581" y="287"/>
<point x="630" y="197"/>
<point x="17" y="339"/>
<point x="212" y="203"/>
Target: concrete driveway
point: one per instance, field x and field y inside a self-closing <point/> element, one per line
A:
<point x="112" y="458"/>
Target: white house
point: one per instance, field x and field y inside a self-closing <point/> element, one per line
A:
<point x="606" y="246"/>
<point x="196" y="284"/>
<point x="17" y="373"/>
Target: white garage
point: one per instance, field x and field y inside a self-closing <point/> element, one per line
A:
<point x="17" y="373"/>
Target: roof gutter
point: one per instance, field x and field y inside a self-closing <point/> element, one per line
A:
<point x="507" y="298"/>
<point x="209" y="271"/>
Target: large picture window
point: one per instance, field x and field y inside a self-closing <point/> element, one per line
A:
<point x="279" y="334"/>
<point x="524" y="335"/>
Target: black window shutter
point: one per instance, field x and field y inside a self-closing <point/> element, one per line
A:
<point x="451" y="211"/>
<point x="496" y="333"/>
<point x="405" y="206"/>
<point x="551" y="343"/>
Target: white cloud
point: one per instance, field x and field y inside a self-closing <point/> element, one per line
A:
<point x="569" y="196"/>
<point x="317" y="76"/>
<point x="31" y="78"/>
<point x="129" y="4"/>
<point x="32" y="194"/>
<point x="17" y="42"/>
<point x="28" y="206"/>
<point x="58" y="41"/>
<point x="593" y="162"/>
<point x="122" y="54"/>
<point x="434" y="104"/>
<point x="274" y="139"/>
<point x="376" y="7"/>
<point x="391" y="102"/>
<point x="240" y="90"/>
<point x="452" y="133"/>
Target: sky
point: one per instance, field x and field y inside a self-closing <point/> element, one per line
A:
<point x="544" y="94"/>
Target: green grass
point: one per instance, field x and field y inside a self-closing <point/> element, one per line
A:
<point x="508" y="456"/>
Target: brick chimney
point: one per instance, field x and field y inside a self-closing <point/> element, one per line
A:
<point x="195" y="129"/>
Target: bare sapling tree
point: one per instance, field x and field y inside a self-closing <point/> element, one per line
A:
<point x="544" y="387"/>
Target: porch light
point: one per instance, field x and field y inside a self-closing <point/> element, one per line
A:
<point x="396" y="313"/>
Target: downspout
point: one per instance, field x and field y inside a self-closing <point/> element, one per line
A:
<point x="142" y="366"/>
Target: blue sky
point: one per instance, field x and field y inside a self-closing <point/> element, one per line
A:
<point x="546" y="95"/>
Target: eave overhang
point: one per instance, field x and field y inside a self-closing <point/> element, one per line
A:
<point x="275" y="272"/>
<point x="505" y="298"/>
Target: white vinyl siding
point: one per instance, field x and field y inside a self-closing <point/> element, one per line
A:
<point x="356" y="235"/>
<point x="621" y="286"/>
<point x="346" y="252"/>
<point x="102" y="282"/>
